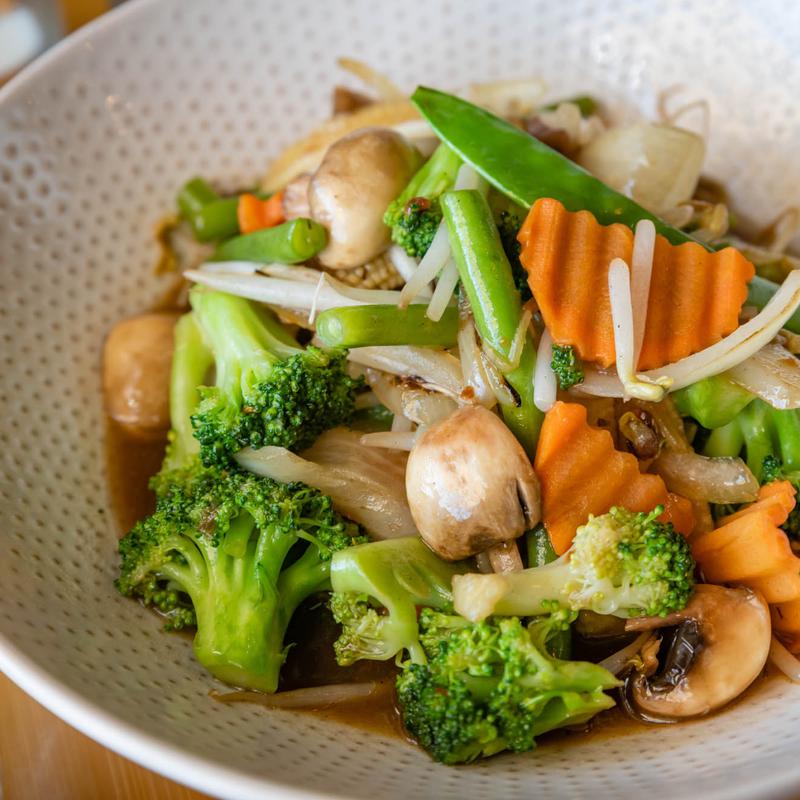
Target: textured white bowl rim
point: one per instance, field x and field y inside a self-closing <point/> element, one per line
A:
<point x="147" y="750"/>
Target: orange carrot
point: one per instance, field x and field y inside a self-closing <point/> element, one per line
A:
<point x="680" y="512"/>
<point x="786" y="617"/>
<point x="776" y="498"/>
<point x="255" y="214"/>
<point x="695" y="296"/>
<point x="780" y="587"/>
<point x="581" y="474"/>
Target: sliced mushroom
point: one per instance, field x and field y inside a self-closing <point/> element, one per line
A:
<point x="349" y="193"/>
<point x="136" y="366"/>
<point x="718" y="649"/>
<point x="471" y="488"/>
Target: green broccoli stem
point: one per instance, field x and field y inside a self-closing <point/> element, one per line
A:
<point x="713" y="401"/>
<point x="191" y="361"/>
<point x="289" y="243"/>
<point x="487" y="278"/>
<point x="365" y="326"/>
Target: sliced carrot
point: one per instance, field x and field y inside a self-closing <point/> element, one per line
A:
<point x="776" y="498"/>
<point x="780" y="587"/>
<point x="695" y="296"/>
<point x="581" y="473"/>
<point x="680" y="512"/>
<point x="255" y="214"/>
<point x="786" y="617"/>
<point x="778" y="487"/>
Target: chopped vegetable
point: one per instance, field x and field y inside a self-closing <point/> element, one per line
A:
<point x="567" y="366"/>
<point x="211" y="216"/>
<point x="695" y="296"/>
<point x="289" y="243"/>
<point x="254" y="213"/>
<point x="369" y="325"/>
<point x="760" y="291"/>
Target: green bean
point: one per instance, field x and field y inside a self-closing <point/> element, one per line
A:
<point x="367" y="325"/>
<point x="289" y="243"/>
<point x="195" y="195"/>
<point x="217" y="220"/>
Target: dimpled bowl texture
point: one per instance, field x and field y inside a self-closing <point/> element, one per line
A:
<point x="94" y="140"/>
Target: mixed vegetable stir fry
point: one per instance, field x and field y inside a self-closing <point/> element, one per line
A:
<point x="494" y="385"/>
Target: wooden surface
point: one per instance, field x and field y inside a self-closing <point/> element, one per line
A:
<point x="42" y="758"/>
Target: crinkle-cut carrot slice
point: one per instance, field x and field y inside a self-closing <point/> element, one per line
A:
<point x="776" y="498"/>
<point x="695" y="295"/>
<point x="780" y="587"/>
<point x="680" y="512"/>
<point x="581" y="473"/>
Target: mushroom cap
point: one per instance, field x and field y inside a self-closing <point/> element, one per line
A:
<point x="350" y="191"/>
<point x="734" y="637"/>
<point x="470" y="485"/>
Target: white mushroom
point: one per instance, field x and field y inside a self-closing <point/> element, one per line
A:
<point x="471" y="488"/>
<point x="719" y="648"/>
<point x="350" y="191"/>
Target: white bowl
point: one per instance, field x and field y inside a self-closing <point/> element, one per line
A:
<point x="94" y="140"/>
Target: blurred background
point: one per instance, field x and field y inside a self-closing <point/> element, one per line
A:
<point x="29" y="27"/>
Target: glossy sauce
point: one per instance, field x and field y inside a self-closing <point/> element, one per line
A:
<point x="130" y="464"/>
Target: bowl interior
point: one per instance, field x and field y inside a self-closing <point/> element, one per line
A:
<point x="95" y="139"/>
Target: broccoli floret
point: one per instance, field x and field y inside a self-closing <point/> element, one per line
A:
<point x="269" y="390"/>
<point x="414" y="216"/>
<point x="771" y="469"/>
<point x="235" y="554"/>
<point x="567" y="366"/>
<point x="377" y="589"/>
<point x="622" y="563"/>
<point x="493" y="686"/>
<point x="509" y="221"/>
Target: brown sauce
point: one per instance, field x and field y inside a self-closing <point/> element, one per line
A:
<point x="130" y="463"/>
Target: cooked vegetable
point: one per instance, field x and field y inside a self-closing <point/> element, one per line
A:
<point x="289" y="243"/>
<point x="773" y="374"/>
<point x="525" y="169"/>
<point x="494" y="686"/>
<point x="377" y="588"/>
<point x="656" y="165"/>
<point x="210" y="216"/>
<point x="695" y="296"/>
<point x="415" y="214"/>
<point x="716" y="480"/>
<point x="487" y="280"/>
<point x="713" y="401"/>
<point x="358" y="178"/>
<point x="720" y="648"/>
<point x="622" y="563"/>
<point x="760" y="291"/>
<point x="254" y="213"/>
<point x="214" y="554"/>
<point x="470" y="486"/>
<point x="582" y="474"/>
<point x="567" y="366"/>
<point x="269" y="390"/>
<point x="383" y="325"/>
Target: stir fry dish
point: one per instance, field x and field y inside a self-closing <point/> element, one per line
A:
<point x="500" y="394"/>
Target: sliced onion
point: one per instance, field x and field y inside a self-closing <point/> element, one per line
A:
<point x="746" y="340"/>
<point x="311" y="697"/>
<point x="784" y="660"/>
<point x="657" y="165"/>
<point x="434" y="369"/>
<point x="497" y="382"/>
<point x="401" y="424"/>
<point x="443" y="293"/>
<point x="426" y="408"/>
<point x="366" y="484"/>
<point x="406" y="266"/>
<point x="506" y="98"/>
<point x="717" y="480"/>
<point x="468" y="178"/>
<point x="545" y="383"/>
<point x="773" y="374"/>
<point x="391" y="440"/>
<point x="617" y="662"/>
<point x="644" y="245"/>
<point x="432" y="263"/>
<point x="471" y="362"/>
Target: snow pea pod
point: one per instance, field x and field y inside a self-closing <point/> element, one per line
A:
<point x="289" y="243"/>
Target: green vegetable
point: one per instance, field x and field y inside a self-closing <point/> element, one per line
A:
<point x="622" y="563"/>
<point x="195" y="195"/>
<point x="586" y="105"/>
<point x="289" y="243"/>
<point x="414" y="215"/>
<point x="269" y="390"/>
<point x="217" y="220"/>
<point x="216" y="554"/>
<point x="362" y="326"/>
<point x="567" y="366"/>
<point x="713" y="401"/>
<point x="493" y="686"/>
<point x="377" y="588"/>
<point x="759" y="293"/>
<point x="489" y="284"/>
<point x="522" y="167"/>
<point x="508" y="217"/>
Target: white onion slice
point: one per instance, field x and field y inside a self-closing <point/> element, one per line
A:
<point x="443" y="293"/>
<point x="310" y="697"/>
<point x="644" y="244"/>
<point x="784" y="660"/>
<point x="773" y="374"/>
<point x="426" y="408"/>
<point x="406" y="266"/>
<point x="434" y="369"/>
<point x="616" y="662"/>
<point x="717" y="480"/>
<point x="468" y="178"/>
<point x="619" y="291"/>
<point x="746" y="340"/>
<point x="432" y="263"/>
<point x="472" y="363"/>
<point x="545" y="384"/>
<point x="401" y="424"/>
<point x="392" y="440"/>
